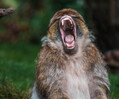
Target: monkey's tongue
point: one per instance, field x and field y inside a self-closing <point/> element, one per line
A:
<point x="69" y="41"/>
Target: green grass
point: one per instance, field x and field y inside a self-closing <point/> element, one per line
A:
<point x="17" y="71"/>
<point x="114" y="80"/>
<point x="17" y="64"/>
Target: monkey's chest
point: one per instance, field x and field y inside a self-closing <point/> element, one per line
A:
<point x="76" y="84"/>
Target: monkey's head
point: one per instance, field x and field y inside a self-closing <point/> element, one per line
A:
<point x="68" y="27"/>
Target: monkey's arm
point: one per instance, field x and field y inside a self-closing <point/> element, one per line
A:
<point x="50" y="74"/>
<point x="97" y="74"/>
<point x="100" y="85"/>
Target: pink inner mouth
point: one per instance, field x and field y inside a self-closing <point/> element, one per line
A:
<point x="68" y="31"/>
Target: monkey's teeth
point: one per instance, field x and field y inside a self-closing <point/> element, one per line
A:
<point x="65" y="20"/>
<point x="62" y="23"/>
<point x="70" y="45"/>
<point x="71" y="21"/>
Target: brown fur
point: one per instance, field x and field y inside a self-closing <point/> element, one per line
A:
<point x="60" y="75"/>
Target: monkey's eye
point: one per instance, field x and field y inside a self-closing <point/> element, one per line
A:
<point x="58" y="18"/>
<point x="68" y="31"/>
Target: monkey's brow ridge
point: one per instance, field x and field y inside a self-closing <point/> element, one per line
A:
<point x="73" y="16"/>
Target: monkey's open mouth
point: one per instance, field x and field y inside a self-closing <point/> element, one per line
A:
<point x="68" y="31"/>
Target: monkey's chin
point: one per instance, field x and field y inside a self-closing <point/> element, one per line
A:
<point x="71" y="50"/>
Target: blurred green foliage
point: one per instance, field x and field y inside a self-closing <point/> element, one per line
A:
<point x="31" y="18"/>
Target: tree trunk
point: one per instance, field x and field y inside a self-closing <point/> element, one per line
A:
<point x="104" y="19"/>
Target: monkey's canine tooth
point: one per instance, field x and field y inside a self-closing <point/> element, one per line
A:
<point x="71" y="21"/>
<point x="62" y="22"/>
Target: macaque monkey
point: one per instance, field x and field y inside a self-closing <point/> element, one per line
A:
<point x="69" y="66"/>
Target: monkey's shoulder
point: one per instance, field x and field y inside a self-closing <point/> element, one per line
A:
<point x="50" y="57"/>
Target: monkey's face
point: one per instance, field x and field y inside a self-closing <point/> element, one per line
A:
<point x="67" y="26"/>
